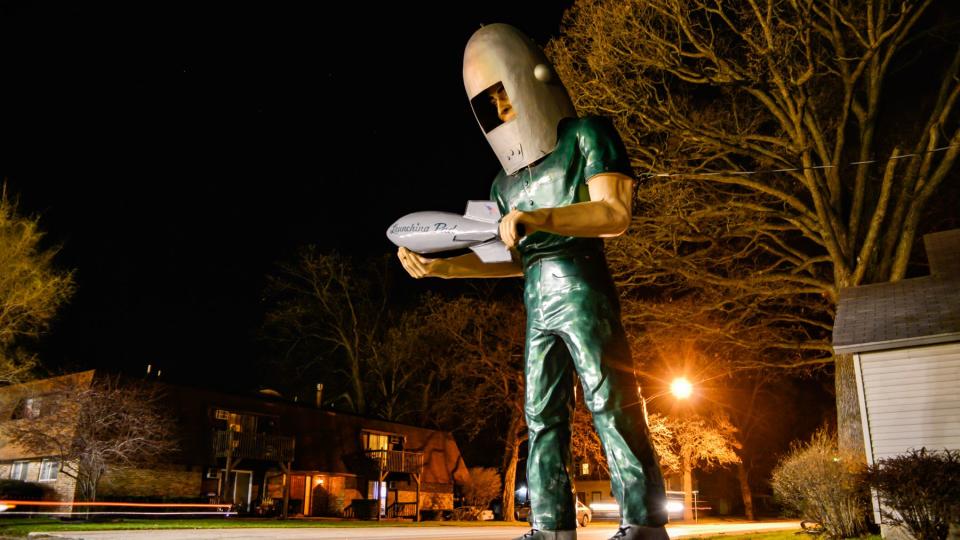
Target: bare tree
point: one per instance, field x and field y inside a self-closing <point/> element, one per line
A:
<point x="684" y="443"/>
<point x="484" y="374"/>
<point x="324" y="315"/>
<point x="679" y="339"/>
<point x="400" y="372"/>
<point x="700" y="442"/>
<point x="705" y="93"/>
<point x="586" y="444"/>
<point x="32" y="289"/>
<point x="108" y="424"/>
<point x="332" y="321"/>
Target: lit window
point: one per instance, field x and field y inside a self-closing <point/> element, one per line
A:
<point x="49" y="470"/>
<point x="585" y="468"/>
<point x="19" y="470"/>
<point x="375" y="441"/>
<point x="28" y="408"/>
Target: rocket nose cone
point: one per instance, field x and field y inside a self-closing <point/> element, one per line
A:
<point x="392" y="232"/>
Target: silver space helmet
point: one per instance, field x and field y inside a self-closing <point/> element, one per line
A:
<point x="500" y="54"/>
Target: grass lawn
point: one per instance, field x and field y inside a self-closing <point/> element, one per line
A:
<point x="781" y="535"/>
<point x="20" y="527"/>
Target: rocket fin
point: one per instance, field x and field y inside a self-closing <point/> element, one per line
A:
<point x="485" y="211"/>
<point x="479" y="236"/>
<point x="493" y="251"/>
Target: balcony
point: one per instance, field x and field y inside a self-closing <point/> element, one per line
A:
<point x="252" y="446"/>
<point x="390" y="461"/>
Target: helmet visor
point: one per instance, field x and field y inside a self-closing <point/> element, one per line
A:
<point x="486" y="106"/>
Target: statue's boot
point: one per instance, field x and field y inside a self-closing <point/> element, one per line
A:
<point x="537" y="534"/>
<point x="638" y="532"/>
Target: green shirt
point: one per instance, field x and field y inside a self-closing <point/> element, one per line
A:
<point x="585" y="148"/>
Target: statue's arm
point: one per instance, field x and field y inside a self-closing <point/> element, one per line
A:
<point x="463" y="266"/>
<point x="606" y="214"/>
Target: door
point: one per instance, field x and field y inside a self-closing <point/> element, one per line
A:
<point x="239" y="489"/>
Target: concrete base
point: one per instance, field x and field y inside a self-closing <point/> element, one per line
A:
<point x="895" y="532"/>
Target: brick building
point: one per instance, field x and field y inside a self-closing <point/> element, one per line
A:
<point x="260" y="452"/>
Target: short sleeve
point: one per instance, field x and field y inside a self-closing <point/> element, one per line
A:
<point x="495" y="196"/>
<point x="602" y="148"/>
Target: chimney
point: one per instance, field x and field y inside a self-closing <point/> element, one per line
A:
<point x="943" y="253"/>
<point x="319" y="394"/>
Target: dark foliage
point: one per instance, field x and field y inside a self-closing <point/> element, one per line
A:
<point x="18" y="490"/>
<point x="920" y="490"/>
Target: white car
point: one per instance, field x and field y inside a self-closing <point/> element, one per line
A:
<point x="584" y="514"/>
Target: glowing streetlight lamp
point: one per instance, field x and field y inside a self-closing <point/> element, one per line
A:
<point x="681" y="388"/>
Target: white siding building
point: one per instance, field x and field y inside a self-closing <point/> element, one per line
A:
<point x="905" y="338"/>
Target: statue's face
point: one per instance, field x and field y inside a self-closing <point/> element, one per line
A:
<point x="498" y="96"/>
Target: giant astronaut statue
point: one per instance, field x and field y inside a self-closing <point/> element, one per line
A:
<point x="564" y="186"/>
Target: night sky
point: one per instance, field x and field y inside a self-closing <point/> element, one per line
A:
<point x="176" y="152"/>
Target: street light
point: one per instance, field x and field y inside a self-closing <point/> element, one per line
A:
<point x="681" y="388"/>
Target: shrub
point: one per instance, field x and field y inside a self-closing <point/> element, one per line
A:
<point x="919" y="490"/>
<point x="820" y="484"/>
<point x="20" y="491"/>
<point x="483" y="487"/>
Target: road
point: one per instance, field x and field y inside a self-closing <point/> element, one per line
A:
<point x="596" y="531"/>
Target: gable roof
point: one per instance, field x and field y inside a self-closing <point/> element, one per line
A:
<point x="906" y="313"/>
<point x="11" y="397"/>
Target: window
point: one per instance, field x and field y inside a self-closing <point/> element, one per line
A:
<point x="18" y="471"/>
<point x="49" y="469"/>
<point x="238" y="422"/>
<point x="375" y="441"/>
<point x="585" y="469"/>
<point x="28" y="408"/>
<point x="37" y="406"/>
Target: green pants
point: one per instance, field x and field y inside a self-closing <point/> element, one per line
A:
<point x="573" y="323"/>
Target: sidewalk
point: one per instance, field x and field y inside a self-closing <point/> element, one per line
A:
<point x="596" y="531"/>
<point x="712" y="527"/>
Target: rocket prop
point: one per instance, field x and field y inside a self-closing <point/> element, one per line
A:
<point x="432" y="232"/>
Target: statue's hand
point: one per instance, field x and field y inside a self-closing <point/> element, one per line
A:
<point x="515" y="226"/>
<point x="415" y="265"/>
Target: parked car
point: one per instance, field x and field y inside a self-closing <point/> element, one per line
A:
<point x="522" y="512"/>
<point x="611" y="510"/>
<point x="584" y="514"/>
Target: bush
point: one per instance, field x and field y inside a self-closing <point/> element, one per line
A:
<point x="483" y="487"/>
<point x="923" y="490"/>
<point x="432" y="514"/>
<point x="820" y="484"/>
<point x="19" y="490"/>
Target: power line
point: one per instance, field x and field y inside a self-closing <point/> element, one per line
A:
<point x="796" y="169"/>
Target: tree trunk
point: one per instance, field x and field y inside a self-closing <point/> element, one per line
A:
<point x="88" y="477"/>
<point x="745" y="489"/>
<point x="426" y="418"/>
<point x="357" y="376"/>
<point x="511" y="457"/>
<point x="849" y="426"/>
<point x="687" y="467"/>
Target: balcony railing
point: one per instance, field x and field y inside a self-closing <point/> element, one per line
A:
<point x="252" y="446"/>
<point x="396" y="461"/>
